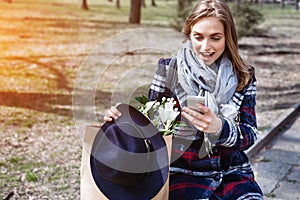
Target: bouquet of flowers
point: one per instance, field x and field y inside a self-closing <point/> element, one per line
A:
<point x="163" y="114"/>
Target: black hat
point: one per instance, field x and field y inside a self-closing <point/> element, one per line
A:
<point x="129" y="158"/>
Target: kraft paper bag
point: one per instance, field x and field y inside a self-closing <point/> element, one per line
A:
<point x="88" y="188"/>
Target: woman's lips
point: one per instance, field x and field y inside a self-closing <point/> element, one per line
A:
<point x="206" y="55"/>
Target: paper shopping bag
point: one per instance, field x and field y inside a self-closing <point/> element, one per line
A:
<point x="88" y="188"/>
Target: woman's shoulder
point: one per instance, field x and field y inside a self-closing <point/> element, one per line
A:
<point x="167" y="62"/>
<point x="165" y="65"/>
<point x="251" y="71"/>
<point x="250" y="88"/>
<point x="164" y="61"/>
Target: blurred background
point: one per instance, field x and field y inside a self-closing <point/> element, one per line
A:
<point x="43" y="43"/>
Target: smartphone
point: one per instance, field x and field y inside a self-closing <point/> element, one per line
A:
<point x="192" y="101"/>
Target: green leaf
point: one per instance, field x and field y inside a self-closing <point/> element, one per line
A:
<point x="180" y="124"/>
<point x="142" y="99"/>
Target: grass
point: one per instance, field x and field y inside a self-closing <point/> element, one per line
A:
<point x="17" y="167"/>
<point x="31" y="176"/>
<point x="280" y="22"/>
<point x="43" y="44"/>
<point x="274" y="11"/>
<point x="33" y="172"/>
<point x="62" y="188"/>
<point x="26" y="118"/>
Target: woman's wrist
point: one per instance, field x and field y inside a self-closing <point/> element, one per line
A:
<point x="221" y="123"/>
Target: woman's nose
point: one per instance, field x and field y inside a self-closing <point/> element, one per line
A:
<point x="205" y="46"/>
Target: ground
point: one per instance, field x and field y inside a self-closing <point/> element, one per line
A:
<point x="43" y="45"/>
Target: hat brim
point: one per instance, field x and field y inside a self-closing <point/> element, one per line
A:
<point x="151" y="182"/>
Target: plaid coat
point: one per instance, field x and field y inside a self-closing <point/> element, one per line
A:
<point x="227" y="173"/>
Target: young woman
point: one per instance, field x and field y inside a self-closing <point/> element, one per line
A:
<point x="209" y="160"/>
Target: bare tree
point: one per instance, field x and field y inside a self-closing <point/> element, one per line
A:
<point x="153" y="3"/>
<point x="135" y="11"/>
<point x="180" y="7"/>
<point x="84" y="5"/>
<point x="118" y="5"/>
<point x="143" y="3"/>
<point x="282" y="4"/>
<point x="183" y="8"/>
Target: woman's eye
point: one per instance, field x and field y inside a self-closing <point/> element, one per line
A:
<point x="216" y="38"/>
<point x="198" y="37"/>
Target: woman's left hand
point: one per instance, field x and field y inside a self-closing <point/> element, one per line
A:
<point x="203" y="119"/>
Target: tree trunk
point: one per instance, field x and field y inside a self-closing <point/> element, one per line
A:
<point x="282" y="4"/>
<point x="297" y="5"/>
<point x="143" y="3"/>
<point x="84" y="5"/>
<point x="238" y="2"/>
<point x="153" y="3"/>
<point x="135" y="11"/>
<point x="180" y="8"/>
<point x="118" y="5"/>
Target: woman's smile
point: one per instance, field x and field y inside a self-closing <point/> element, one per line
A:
<point x="206" y="54"/>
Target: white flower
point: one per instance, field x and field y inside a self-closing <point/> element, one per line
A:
<point x="168" y="113"/>
<point x="147" y="107"/>
<point x="162" y="114"/>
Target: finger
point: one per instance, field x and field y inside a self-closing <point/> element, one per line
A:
<point x="201" y="125"/>
<point x="111" y="114"/>
<point x="108" y="119"/>
<point x="189" y="110"/>
<point x="115" y="111"/>
<point x="204" y="114"/>
<point x="202" y="108"/>
<point x="194" y="113"/>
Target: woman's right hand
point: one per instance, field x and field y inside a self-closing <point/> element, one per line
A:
<point x="112" y="113"/>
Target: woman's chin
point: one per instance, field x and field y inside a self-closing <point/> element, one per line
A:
<point x="208" y="62"/>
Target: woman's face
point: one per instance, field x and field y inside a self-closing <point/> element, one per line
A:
<point x="208" y="39"/>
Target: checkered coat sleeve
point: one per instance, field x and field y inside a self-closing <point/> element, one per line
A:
<point x="241" y="135"/>
<point x="158" y="87"/>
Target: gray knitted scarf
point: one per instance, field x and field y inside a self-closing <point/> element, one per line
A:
<point x="217" y="83"/>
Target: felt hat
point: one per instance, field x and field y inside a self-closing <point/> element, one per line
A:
<point x="129" y="158"/>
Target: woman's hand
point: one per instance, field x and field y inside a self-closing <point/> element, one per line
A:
<point x="112" y="113"/>
<point x="204" y="119"/>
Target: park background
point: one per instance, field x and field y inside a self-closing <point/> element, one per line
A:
<point x="43" y="43"/>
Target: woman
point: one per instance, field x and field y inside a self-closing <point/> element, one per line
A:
<point x="209" y="162"/>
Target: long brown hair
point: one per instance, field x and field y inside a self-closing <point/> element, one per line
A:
<point x="219" y="9"/>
